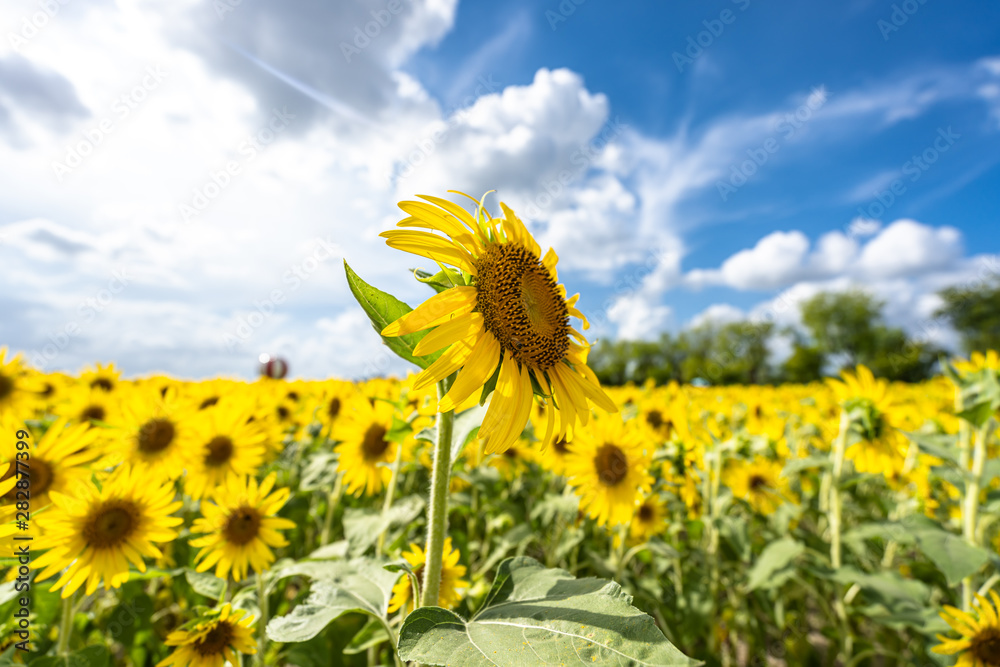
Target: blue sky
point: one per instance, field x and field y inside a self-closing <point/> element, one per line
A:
<point x="237" y="152"/>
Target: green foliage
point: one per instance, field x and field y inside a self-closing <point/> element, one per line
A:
<point x="975" y="314"/>
<point x="533" y="615"/>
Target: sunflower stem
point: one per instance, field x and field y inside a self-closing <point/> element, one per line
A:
<point x="262" y="602"/>
<point x="839" y="448"/>
<point x="970" y="513"/>
<point x="332" y="501"/>
<point x="437" y="512"/>
<point x="66" y="626"/>
<point x="387" y="505"/>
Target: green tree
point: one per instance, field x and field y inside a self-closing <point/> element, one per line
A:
<point x="804" y="365"/>
<point x="843" y="323"/>
<point x="975" y="314"/>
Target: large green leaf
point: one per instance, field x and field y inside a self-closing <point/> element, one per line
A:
<point x="535" y="616"/>
<point x="773" y="567"/>
<point x="346" y="586"/>
<point x="362" y="526"/>
<point x="955" y="557"/>
<point x="941" y="445"/>
<point x="383" y="309"/>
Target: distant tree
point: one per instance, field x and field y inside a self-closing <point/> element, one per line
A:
<point x="975" y="314"/>
<point x="734" y="353"/>
<point x="804" y="365"/>
<point x="843" y="323"/>
<point x="849" y="325"/>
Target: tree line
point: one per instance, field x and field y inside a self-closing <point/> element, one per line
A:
<point x="839" y="330"/>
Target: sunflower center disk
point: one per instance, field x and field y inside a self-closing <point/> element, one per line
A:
<point x="757" y="483"/>
<point x="521" y="306"/>
<point x="216" y="641"/>
<point x="111" y="524"/>
<point x="242" y="526"/>
<point x="219" y="451"/>
<point x="93" y="412"/>
<point x="6" y="386"/>
<point x="102" y="383"/>
<point x="611" y="465"/>
<point x="374" y="445"/>
<point x="645" y="513"/>
<point x="986" y="647"/>
<point x="156" y="435"/>
<point x="333" y="409"/>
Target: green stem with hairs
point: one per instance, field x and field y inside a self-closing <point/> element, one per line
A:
<point x="262" y="601"/>
<point x="387" y="505"/>
<point x="66" y="626"/>
<point x="331" y="505"/>
<point x="970" y="511"/>
<point x="836" y="509"/>
<point x="437" y="510"/>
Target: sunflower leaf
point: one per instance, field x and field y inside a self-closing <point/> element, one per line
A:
<point x="205" y="583"/>
<point x="535" y="615"/>
<point x="773" y="565"/>
<point x="955" y="557"/>
<point x="383" y="309"/>
<point x="360" y="585"/>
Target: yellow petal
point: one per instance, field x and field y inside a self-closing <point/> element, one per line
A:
<point x="463" y="326"/>
<point x="478" y="368"/>
<point x="436" y="310"/>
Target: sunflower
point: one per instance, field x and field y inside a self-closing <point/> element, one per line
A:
<point x="608" y="468"/>
<point x="93" y="534"/>
<point x="62" y="457"/>
<point x="241" y="527"/>
<point x="103" y="378"/>
<point x="20" y="393"/>
<point x="505" y="316"/>
<point x="759" y="482"/>
<point x="154" y="428"/>
<point x="451" y="578"/>
<point x="554" y="454"/>
<point x="979" y="643"/>
<point x="513" y="461"/>
<point x="221" y="444"/>
<point x="649" y="521"/>
<point x="215" y="637"/>
<point x="871" y="407"/>
<point x="978" y="362"/>
<point x="366" y="450"/>
<point x="328" y="409"/>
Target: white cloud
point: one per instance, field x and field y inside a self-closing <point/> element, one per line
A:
<point x="907" y="247"/>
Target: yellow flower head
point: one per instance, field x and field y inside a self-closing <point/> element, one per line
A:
<point x="758" y="482"/>
<point x="241" y="527"/>
<point x="649" y="521"/>
<point x="608" y="467"/>
<point x="366" y="452"/>
<point x="506" y="315"/>
<point x="449" y="594"/>
<point x="221" y="444"/>
<point x="215" y="637"/>
<point x="93" y="534"/>
<point x="979" y="641"/>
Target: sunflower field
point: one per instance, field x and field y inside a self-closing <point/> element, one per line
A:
<point x="499" y="507"/>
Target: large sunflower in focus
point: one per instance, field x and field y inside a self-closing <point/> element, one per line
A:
<point x="506" y="315"/>
<point x="608" y="467"/>
<point x="153" y="432"/>
<point x="93" y="535"/>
